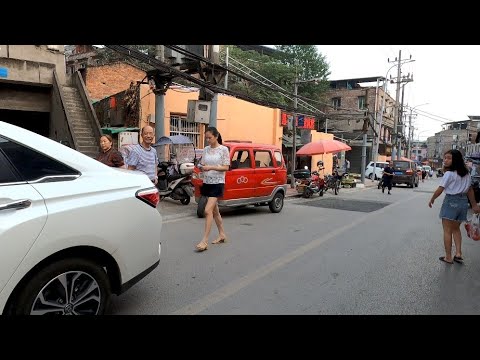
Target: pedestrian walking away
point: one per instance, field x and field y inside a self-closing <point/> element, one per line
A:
<point x="108" y="155"/>
<point x="143" y="157"/>
<point x="456" y="182"/>
<point x="387" y="178"/>
<point x="214" y="163"/>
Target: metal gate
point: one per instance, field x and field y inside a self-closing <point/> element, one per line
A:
<point x="180" y="126"/>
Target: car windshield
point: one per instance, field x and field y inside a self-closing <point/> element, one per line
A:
<point x="401" y="165"/>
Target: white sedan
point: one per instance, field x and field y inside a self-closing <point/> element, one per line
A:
<point x="73" y="231"/>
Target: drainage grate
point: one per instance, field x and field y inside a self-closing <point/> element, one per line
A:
<point x="347" y="204"/>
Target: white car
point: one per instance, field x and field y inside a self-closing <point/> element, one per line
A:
<point x="380" y="165"/>
<point x="73" y="231"/>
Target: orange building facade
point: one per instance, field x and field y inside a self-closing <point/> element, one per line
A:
<point x="237" y="120"/>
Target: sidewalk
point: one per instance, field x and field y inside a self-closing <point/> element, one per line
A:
<point x="368" y="184"/>
<point x="171" y="209"/>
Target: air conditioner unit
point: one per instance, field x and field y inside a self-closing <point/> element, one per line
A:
<point x="198" y="111"/>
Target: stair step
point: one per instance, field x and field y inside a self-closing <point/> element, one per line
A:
<point x="88" y="148"/>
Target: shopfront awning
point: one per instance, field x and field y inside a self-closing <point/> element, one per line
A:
<point x="287" y="141"/>
<point x="116" y="130"/>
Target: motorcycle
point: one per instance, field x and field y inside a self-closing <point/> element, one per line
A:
<point x="175" y="174"/>
<point x="316" y="185"/>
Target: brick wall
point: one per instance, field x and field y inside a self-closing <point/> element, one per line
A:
<point x="106" y="80"/>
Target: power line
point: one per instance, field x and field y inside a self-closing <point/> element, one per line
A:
<point x="252" y="79"/>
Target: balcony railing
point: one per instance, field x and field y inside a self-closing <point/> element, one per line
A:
<point x="472" y="149"/>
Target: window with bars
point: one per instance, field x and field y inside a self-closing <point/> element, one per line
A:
<point x="180" y="126"/>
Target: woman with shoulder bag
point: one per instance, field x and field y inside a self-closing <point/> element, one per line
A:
<point x="456" y="183"/>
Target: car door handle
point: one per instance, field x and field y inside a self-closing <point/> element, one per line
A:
<point x="16" y="205"/>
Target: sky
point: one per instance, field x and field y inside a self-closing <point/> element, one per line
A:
<point x="447" y="77"/>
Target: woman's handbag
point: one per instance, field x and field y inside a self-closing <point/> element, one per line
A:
<point x="473" y="227"/>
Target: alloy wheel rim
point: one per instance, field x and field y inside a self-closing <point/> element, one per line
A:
<point x="70" y="293"/>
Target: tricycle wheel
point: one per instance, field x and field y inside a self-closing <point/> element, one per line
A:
<point x="202" y="202"/>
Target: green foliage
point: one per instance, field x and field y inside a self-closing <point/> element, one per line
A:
<point x="281" y="70"/>
<point x="310" y="64"/>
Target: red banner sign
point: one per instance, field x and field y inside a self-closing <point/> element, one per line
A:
<point x="302" y="121"/>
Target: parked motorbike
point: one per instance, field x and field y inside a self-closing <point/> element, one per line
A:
<point x="316" y="185"/>
<point x="175" y="174"/>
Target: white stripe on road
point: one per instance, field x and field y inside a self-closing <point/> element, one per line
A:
<point x="237" y="285"/>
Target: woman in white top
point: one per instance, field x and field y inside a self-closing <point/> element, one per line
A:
<point x="458" y="191"/>
<point x="215" y="162"/>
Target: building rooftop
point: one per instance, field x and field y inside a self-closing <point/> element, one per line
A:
<point x="353" y="83"/>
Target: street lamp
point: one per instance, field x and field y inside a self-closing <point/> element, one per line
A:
<point x="294" y="142"/>
<point x="418" y="140"/>
<point x="381" y="115"/>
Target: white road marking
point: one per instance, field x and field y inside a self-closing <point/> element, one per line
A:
<point x="237" y="285"/>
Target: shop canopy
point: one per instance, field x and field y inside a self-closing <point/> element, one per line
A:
<point x="116" y="130"/>
<point x="287" y="141"/>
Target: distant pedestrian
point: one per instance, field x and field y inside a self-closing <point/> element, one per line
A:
<point x="143" y="157"/>
<point x="387" y="177"/>
<point x="347" y="165"/>
<point x="214" y="163"/>
<point x="108" y="155"/>
<point x="456" y="183"/>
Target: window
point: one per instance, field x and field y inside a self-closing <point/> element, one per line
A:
<point x="336" y="102"/>
<point x="263" y="159"/>
<point x="32" y="165"/>
<point x="361" y="103"/>
<point x="278" y="158"/>
<point x="6" y="173"/>
<point x="180" y="126"/>
<point x="241" y="159"/>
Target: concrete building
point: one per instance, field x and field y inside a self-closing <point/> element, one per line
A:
<point x="350" y="99"/>
<point x="37" y="94"/>
<point x="134" y="107"/>
<point x="461" y="135"/>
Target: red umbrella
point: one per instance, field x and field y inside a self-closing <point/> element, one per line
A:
<point x="325" y="146"/>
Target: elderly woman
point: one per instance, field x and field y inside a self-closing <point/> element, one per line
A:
<point x="108" y="155"/>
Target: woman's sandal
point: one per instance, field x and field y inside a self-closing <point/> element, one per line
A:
<point x="458" y="259"/>
<point x="442" y="258"/>
<point x="219" y="240"/>
<point x="201" y="247"/>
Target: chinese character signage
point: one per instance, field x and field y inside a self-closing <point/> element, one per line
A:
<point x="303" y="122"/>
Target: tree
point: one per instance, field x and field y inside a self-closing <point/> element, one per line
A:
<point x="269" y="67"/>
<point x="309" y="64"/>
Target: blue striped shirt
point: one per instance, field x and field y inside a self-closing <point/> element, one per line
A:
<point x="144" y="160"/>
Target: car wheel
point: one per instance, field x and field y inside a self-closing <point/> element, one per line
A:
<point x="185" y="200"/>
<point x="74" y="286"/>
<point x="276" y="204"/>
<point x="370" y="176"/>
<point x="202" y="202"/>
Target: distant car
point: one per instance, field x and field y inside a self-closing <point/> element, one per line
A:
<point x="380" y="165"/>
<point x="404" y="172"/>
<point x="73" y="231"/>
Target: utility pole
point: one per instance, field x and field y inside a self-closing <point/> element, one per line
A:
<point x="395" y="113"/>
<point x="213" y="57"/>
<point x="226" y="65"/>
<point x="294" y="126"/>
<point x="401" y="122"/>
<point x="159" y="92"/>
<point x="364" y="142"/>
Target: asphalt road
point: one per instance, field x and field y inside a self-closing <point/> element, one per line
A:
<point x="380" y="256"/>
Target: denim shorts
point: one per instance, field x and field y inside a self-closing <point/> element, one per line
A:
<point x="455" y="207"/>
